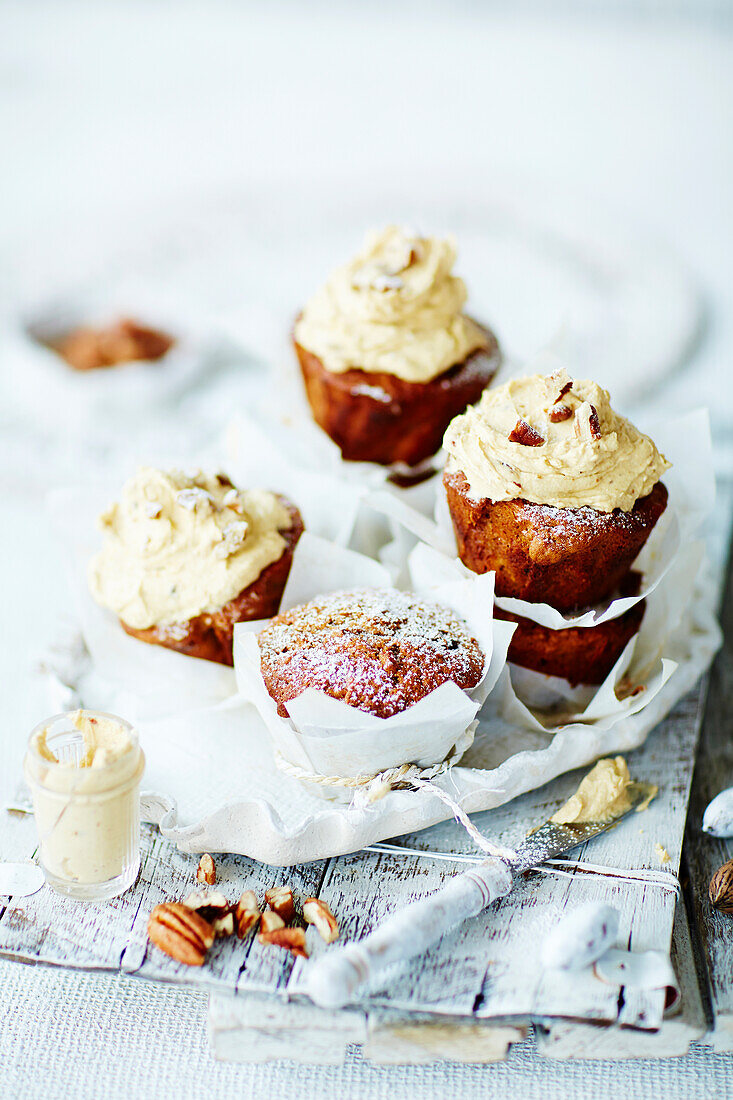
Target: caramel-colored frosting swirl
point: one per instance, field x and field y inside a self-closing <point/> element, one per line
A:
<point x="178" y="545"/>
<point x="602" y="795"/>
<point x="395" y="308"/>
<point x="550" y="440"/>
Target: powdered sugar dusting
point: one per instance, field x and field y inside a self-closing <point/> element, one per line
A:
<point x="377" y="649"/>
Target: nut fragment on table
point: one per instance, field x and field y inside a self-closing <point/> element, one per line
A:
<point x="720" y="890"/>
<point x="280" y="900"/>
<point x="246" y="913"/>
<point x="269" y="922"/>
<point x="317" y="913"/>
<point x="206" y="871"/>
<point x="180" y="932"/>
<point x="292" y="939"/>
<point x="214" y="908"/>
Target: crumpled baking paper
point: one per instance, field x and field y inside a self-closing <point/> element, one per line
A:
<point x="212" y="783"/>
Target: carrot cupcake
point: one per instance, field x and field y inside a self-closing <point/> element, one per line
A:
<point x="184" y="558"/>
<point x="387" y="354"/>
<point x="557" y="493"/>
<point x="379" y="650"/>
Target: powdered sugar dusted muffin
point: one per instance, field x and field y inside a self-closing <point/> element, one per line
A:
<point x="187" y="556"/>
<point x="387" y="354"/>
<point x="379" y="650"/>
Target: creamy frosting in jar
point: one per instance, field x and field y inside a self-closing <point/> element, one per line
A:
<point x="395" y="308"/>
<point x="86" y="796"/>
<point x="178" y="545"/>
<point x="550" y="440"/>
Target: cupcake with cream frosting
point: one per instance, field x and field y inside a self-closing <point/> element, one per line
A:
<point x="185" y="557"/>
<point x="388" y="355"/>
<point x="557" y="493"/>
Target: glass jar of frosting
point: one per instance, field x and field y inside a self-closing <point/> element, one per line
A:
<point x="84" y="770"/>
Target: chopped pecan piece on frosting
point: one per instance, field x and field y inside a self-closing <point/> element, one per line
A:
<point x="558" y="413"/>
<point x="587" y="423"/>
<point x="558" y="384"/>
<point x="524" y="433"/>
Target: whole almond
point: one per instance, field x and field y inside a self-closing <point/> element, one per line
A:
<point x="180" y="932"/>
<point x="720" y="890"/>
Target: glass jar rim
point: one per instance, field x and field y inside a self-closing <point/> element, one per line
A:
<point x="47" y="723"/>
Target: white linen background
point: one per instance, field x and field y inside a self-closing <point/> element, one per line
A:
<point x="109" y="108"/>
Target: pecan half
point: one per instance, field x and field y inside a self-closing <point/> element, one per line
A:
<point x="180" y="932"/>
<point x="558" y="413"/>
<point x="246" y="914"/>
<point x="317" y="913"/>
<point x="206" y="871"/>
<point x="525" y="434"/>
<point x="280" y="900"/>
<point x="292" y="939"/>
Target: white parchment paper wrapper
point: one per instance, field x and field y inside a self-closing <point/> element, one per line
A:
<point x="686" y="443"/>
<point x="217" y="787"/>
<point x="150" y="680"/>
<point x="331" y="738"/>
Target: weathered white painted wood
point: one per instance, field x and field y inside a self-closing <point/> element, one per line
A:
<point x="564" y="1039"/>
<point x="257" y="1028"/>
<point x="333" y="980"/>
<point x="704" y="853"/>
<point x="394" y="1038"/>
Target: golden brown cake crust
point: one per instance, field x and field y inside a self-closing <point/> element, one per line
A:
<point x="378" y="417"/>
<point x="379" y="650"/>
<point x="569" y="558"/>
<point x="581" y="655"/>
<point x="209" y="635"/>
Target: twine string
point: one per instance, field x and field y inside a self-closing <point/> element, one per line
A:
<point x="371" y="788"/>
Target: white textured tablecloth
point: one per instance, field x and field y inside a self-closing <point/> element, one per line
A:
<point x="106" y="107"/>
<point x="86" y="1037"/>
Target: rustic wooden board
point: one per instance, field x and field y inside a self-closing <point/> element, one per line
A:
<point x="487" y="969"/>
<point x="713" y="931"/>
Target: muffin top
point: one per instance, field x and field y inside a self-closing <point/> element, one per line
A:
<point x="177" y="545"/>
<point x="379" y="650"/>
<point x="550" y="440"/>
<point x="395" y="308"/>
